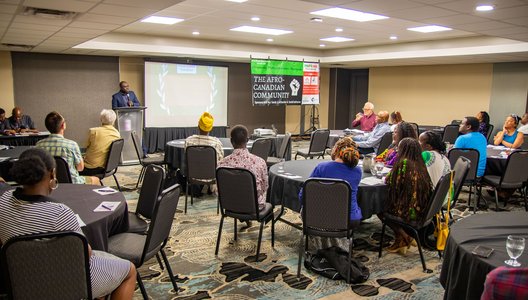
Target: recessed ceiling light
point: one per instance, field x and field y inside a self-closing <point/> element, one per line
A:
<point x="429" y="28"/>
<point x="261" y="30"/>
<point x="255" y="19"/>
<point x="322" y="45"/>
<point x="348" y="14"/>
<point x="393" y="37"/>
<point x="196" y="33"/>
<point x="237" y="1"/>
<point x="269" y="40"/>
<point x="316" y="20"/>
<point x="337" y="39"/>
<point x="339" y="29"/>
<point x="161" y="20"/>
<point x="484" y="8"/>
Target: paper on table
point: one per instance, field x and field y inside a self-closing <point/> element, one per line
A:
<point x="371" y="180"/>
<point x="105" y="191"/>
<point x="80" y="221"/>
<point x="107" y="206"/>
<point x="290" y="175"/>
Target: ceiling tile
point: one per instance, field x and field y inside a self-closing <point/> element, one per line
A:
<point x="69" y="5"/>
<point x="119" y="20"/>
<point x="420" y="13"/>
<point x="523" y="21"/>
<point x="93" y="25"/>
<point x="8" y="9"/>
<point x="151" y="4"/>
<point x="38" y="20"/>
<point x="122" y="11"/>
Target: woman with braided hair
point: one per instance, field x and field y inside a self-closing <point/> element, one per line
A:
<point x="410" y="188"/>
<point x="401" y="131"/>
<point x="345" y="157"/>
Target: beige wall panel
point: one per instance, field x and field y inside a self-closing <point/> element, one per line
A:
<point x="132" y="70"/>
<point x="7" y="98"/>
<point x="432" y="95"/>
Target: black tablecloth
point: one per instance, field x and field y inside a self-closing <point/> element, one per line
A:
<point x="155" y="139"/>
<point x="99" y="225"/>
<point x="22" y="140"/>
<point x="495" y="164"/>
<point x="463" y="274"/>
<point x="7" y="156"/>
<point x="283" y="190"/>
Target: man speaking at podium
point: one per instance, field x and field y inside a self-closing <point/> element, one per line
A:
<point x="125" y="97"/>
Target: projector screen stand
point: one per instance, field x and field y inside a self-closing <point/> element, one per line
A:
<point x="314" y="120"/>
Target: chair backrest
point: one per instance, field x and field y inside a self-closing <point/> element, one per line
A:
<point x="472" y="154"/>
<point x="137" y="145"/>
<point x="450" y="133"/>
<point x="63" y="170"/>
<point x="201" y="163"/>
<point x="262" y="148"/>
<point x="237" y="192"/>
<point x="437" y="198"/>
<point x="456" y="122"/>
<point x="524" y="145"/>
<point x="385" y="142"/>
<point x="161" y="224"/>
<point x="47" y="266"/>
<point x="516" y="167"/>
<point x="284" y="145"/>
<point x="114" y="155"/>
<point x="416" y="128"/>
<point x="461" y="169"/>
<point x="318" y="140"/>
<point x="150" y="190"/>
<point x="326" y="204"/>
<point x="489" y="131"/>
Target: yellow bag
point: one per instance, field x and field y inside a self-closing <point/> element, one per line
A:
<point x="442" y="227"/>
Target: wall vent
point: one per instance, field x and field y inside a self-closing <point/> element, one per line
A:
<point x="49" y="13"/>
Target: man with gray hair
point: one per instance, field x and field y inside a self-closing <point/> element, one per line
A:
<point x="99" y="140"/>
<point x="367" y="119"/>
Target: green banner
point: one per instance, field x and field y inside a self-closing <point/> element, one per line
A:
<point x="276" y="67"/>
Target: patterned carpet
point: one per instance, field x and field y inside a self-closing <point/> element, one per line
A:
<point x="232" y="275"/>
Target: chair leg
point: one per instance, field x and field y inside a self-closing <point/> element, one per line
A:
<point x="301" y="250"/>
<point x="350" y="243"/>
<point x="159" y="261"/>
<point x="381" y="239"/>
<point x="169" y="270"/>
<point x="117" y="183"/>
<point x="417" y="238"/>
<point x="217" y="206"/>
<point x="525" y="200"/>
<point x="141" y="286"/>
<point x="219" y="235"/>
<point x="259" y="240"/>
<point x="235" y="231"/>
<point x="470" y="192"/>
<point x="496" y="199"/>
<point x="273" y="231"/>
<point x="140" y="177"/>
<point x="187" y="193"/>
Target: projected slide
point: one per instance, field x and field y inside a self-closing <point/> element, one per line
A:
<point x="176" y="94"/>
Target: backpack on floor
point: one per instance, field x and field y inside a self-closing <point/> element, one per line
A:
<point x="333" y="262"/>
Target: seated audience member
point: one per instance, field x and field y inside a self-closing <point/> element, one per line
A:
<point x="410" y="188"/>
<point x="99" y="141"/>
<point x="509" y="136"/>
<point x="434" y="155"/>
<point x="402" y="130"/>
<point x="471" y="138"/>
<point x="369" y="142"/>
<point x="4" y="124"/>
<point x="20" y="123"/>
<point x="57" y="145"/>
<point x="30" y="209"/>
<point x="345" y="158"/>
<point x="484" y="122"/>
<point x="395" y="119"/>
<point x="205" y="125"/>
<point x="367" y="119"/>
<point x="241" y="158"/>
<point x="504" y="283"/>
<point x="524" y="124"/>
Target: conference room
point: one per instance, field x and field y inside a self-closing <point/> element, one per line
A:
<point x="179" y="59"/>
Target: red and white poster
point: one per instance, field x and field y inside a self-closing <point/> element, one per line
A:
<point x="310" y="87"/>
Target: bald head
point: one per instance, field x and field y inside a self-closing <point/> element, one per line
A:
<point x="382" y="117"/>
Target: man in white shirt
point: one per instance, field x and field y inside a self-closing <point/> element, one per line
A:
<point x="524" y="124"/>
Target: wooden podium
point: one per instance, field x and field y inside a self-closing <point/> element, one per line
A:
<point x="130" y="119"/>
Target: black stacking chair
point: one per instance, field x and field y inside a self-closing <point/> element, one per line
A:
<point x="385" y="142"/>
<point x="112" y="161"/>
<point x="318" y="142"/>
<point x="524" y="145"/>
<point x="326" y="212"/>
<point x="450" y="133"/>
<point x="413" y="228"/>
<point x="489" y="131"/>
<point x="148" y="195"/>
<point x="201" y="168"/>
<point x="262" y="148"/>
<point x="47" y="266"/>
<point x="139" y="248"/>
<point x="63" y="170"/>
<point x="237" y="194"/>
<point x="143" y="159"/>
<point x="471" y="178"/>
<point x="461" y="169"/>
<point x="515" y="176"/>
<point x="281" y="155"/>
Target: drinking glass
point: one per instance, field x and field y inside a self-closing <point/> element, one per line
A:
<point x="281" y="166"/>
<point x="379" y="168"/>
<point x="514" y="247"/>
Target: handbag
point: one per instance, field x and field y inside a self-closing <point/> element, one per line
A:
<point x="442" y="222"/>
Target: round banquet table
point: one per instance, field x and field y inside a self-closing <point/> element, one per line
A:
<point x="495" y="163"/>
<point x="7" y="157"/>
<point x="285" y="190"/>
<point x="99" y="225"/>
<point x="463" y="274"/>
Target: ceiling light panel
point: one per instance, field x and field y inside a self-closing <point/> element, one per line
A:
<point x="261" y="30"/>
<point x="337" y="39"/>
<point x="161" y="20"/>
<point x="348" y="14"/>
<point x="429" y="28"/>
